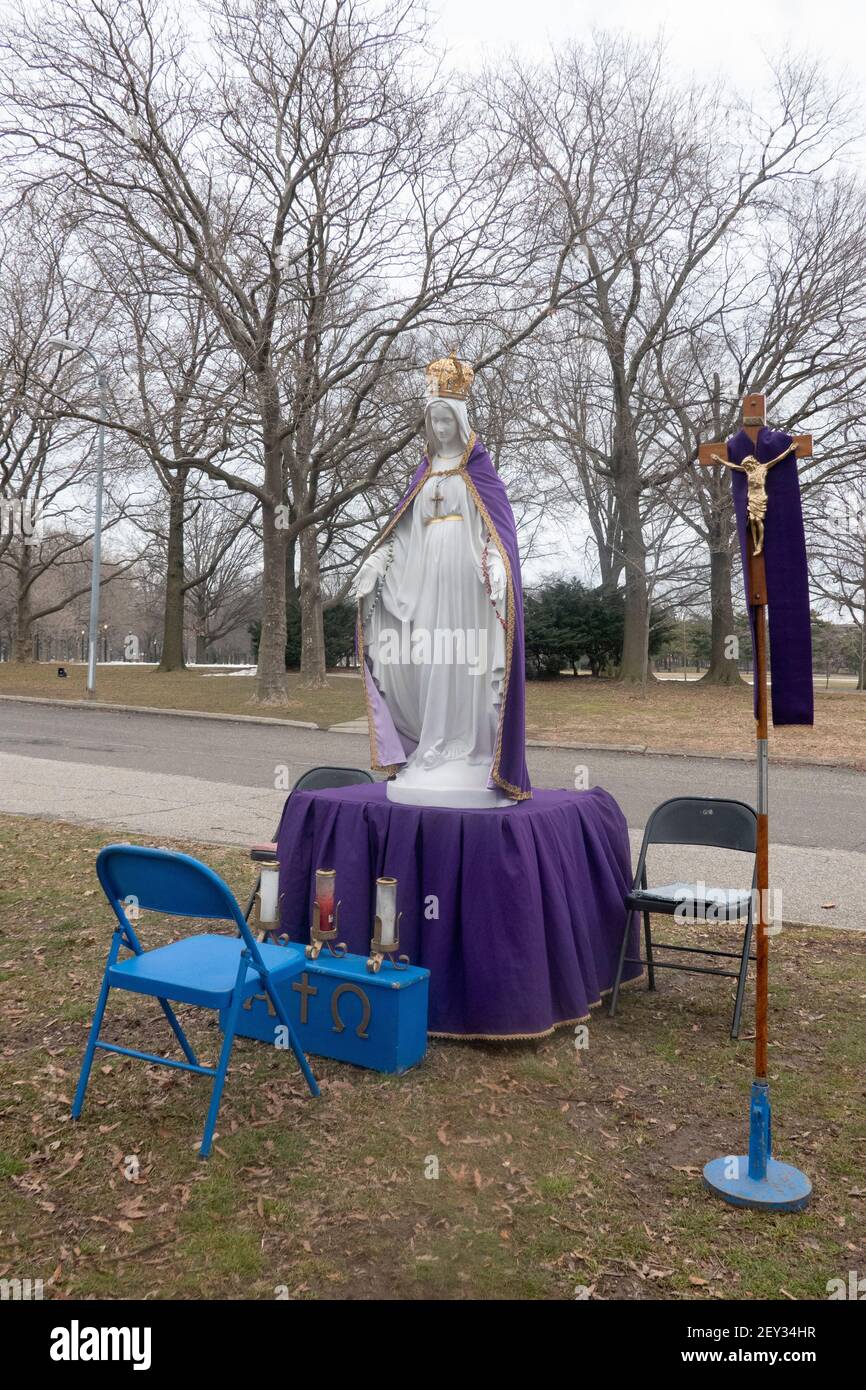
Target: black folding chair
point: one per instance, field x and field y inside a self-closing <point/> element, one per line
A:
<point x="314" y="779"/>
<point x="317" y="778"/>
<point x="694" y="820"/>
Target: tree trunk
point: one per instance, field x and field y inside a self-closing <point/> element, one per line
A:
<point x="313" y="670"/>
<point x="293" y="605"/>
<point x="23" y="612"/>
<point x="645" y="672"/>
<point x="625" y="467"/>
<point x="608" y="543"/>
<point x="172" y="631"/>
<point x="291" y="586"/>
<point x="633" y="667"/>
<point x="723" y="668"/>
<point x="201" y="648"/>
<point x="271" y="682"/>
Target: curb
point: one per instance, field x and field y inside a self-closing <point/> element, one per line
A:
<point x="589" y="747"/>
<point x="652" y="751"/>
<point x="151" y="709"/>
<point x="718" y="757"/>
<point x="638" y="749"/>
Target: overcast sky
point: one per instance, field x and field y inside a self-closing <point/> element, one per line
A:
<point x="721" y="41"/>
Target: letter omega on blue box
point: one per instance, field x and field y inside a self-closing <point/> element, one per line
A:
<point x="340" y="1009"/>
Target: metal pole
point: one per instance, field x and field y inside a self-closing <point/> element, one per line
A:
<point x="757" y="1179"/>
<point x="93" y="635"/>
<point x="762" y="878"/>
<point x="760" y="1122"/>
<point x="757" y="582"/>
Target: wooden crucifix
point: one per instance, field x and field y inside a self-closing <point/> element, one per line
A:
<point x="783" y="1192"/>
<point x="711" y="455"/>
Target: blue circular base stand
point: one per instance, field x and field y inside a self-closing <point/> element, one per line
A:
<point x="784" y="1188"/>
<point x="755" y="1179"/>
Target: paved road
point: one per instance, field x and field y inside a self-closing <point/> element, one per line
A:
<point x="810" y="805"/>
<point x="224" y="781"/>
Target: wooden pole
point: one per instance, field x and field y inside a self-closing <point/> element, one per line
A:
<point x="766" y="1184"/>
<point x="758" y="604"/>
<point x="754" y="419"/>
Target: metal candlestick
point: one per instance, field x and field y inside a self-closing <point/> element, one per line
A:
<point x="324" y="936"/>
<point x="381" y="950"/>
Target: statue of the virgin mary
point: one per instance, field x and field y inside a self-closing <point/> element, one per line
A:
<point x="440" y="622"/>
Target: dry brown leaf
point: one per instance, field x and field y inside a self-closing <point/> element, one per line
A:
<point x="73" y="1163"/>
<point x="132" y="1208"/>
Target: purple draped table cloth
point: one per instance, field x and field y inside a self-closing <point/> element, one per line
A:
<point x="517" y="913"/>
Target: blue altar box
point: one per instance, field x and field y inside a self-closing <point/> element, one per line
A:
<point x="340" y="1009"/>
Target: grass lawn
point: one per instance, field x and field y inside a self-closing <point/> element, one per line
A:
<point x="678" y="715"/>
<point x="689" y="717"/>
<point x="559" y="1169"/>
<point x="193" y="689"/>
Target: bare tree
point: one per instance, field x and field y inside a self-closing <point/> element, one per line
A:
<point x="322" y="194"/>
<point x="652" y="177"/>
<point x="782" y="313"/>
<point x="837" y="534"/>
<point x="180" y="410"/>
<point x="33" y="305"/>
<point x="223" y="581"/>
<point x="45" y="456"/>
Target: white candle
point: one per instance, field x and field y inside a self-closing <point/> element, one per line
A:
<point x="269" y="893"/>
<point x="386" y="909"/>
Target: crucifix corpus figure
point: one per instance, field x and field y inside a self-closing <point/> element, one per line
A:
<point x="756" y="478"/>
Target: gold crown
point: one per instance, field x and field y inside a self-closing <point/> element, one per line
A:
<point x="450" y="378"/>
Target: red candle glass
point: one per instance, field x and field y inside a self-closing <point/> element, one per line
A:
<point x="326" y="892"/>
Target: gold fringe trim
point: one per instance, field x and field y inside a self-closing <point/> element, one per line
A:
<point x="510" y="1037"/>
<point x="515" y="792"/>
<point x="530" y="1037"/>
<point x="390" y="768"/>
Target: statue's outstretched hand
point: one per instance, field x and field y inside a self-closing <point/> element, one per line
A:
<point x="498" y="579"/>
<point x="365" y="580"/>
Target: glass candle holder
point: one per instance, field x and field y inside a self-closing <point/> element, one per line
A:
<point x="386" y="911"/>
<point x="326" y="895"/>
<point x="386" y="927"/>
<point x="323" y="929"/>
<point x="268" y="897"/>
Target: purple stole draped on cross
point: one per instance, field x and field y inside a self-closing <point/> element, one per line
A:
<point x="787" y="573"/>
<point x="508" y="770"/>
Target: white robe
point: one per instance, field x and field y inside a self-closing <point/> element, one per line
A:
<point x="435" y="642"/>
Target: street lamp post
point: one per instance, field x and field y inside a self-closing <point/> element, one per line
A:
<point x="67" y="345"/>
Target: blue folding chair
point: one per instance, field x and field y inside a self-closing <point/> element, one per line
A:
<point x="208" y="971"/>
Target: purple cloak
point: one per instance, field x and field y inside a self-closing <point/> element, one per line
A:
<point x="508" y="770"/>
<point x="787" y="573"/>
